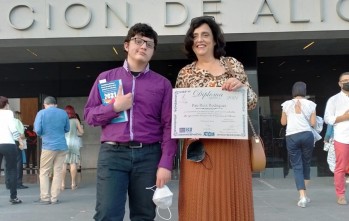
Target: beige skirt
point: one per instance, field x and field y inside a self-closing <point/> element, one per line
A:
<point x="218" y="188"/>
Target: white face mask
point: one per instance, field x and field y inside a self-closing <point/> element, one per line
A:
<point x="163" y="199"/>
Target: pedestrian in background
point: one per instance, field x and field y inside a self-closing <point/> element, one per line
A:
<point x="31" y="152"/>
<point x="51" y="124"/>
<point x="299" y="115"/>
<point x="20" y="129"/>
<point x="73" y="141"/>
<point x="8" y="148"/>
<point x="337" y="114"/>
<point x="329" y="147"/>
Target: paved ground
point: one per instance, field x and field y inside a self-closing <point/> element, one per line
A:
<point x="274" y="199"/>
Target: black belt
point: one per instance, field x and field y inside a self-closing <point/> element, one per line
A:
<point x="131" y="144"/>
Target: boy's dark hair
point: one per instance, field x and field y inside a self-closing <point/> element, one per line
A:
<point x="217" y="33"/>
<point x="299" y="89"/>
<point x="143" y="30"/>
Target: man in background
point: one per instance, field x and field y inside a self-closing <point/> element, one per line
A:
<point x="337" y="114"/>
<point x="51" y="124"/>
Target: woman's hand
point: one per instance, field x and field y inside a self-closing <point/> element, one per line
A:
<point x="21" y="143"/>
<point x="232" y="84"/>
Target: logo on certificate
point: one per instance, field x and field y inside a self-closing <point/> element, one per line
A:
<point x="185" y="130"/>
<point x="209" y="134"/>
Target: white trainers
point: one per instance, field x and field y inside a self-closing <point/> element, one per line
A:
<point x="347" y="180"/>
<point x="308" y="199"/>
<point x="302" y="202"/>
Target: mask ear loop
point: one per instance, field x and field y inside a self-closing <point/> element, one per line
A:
<point x="151" y="188"/>
<point x="210" y="166"/>
<point x="157" y="211"/>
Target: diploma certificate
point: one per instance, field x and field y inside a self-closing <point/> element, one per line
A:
<point x="209" y="113"/>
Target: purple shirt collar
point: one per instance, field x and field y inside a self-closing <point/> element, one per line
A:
<point x="146" y="70"/>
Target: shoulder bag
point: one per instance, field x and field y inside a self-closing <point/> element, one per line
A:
<point x="258" y="159"/>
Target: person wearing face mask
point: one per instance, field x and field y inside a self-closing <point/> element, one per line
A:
<point x="329" y="147"/>
<point x="139" y="152"/>
<point x="337" y="114"/>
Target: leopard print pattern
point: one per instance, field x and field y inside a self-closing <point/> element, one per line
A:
<point x="191" y="77"/>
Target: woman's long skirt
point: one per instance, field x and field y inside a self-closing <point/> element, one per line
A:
<point x="220" y="187"/>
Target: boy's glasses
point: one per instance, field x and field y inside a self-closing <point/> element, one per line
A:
<point x="140" y="42"/>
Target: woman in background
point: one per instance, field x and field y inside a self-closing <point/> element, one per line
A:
<point x="299" y="115"/>
<point x="20" y="129"/>
<point x="8" y="147"/>
<point x="222" y="190"/>
<point x="32" y="138"/>
<point x="74" y="143"/>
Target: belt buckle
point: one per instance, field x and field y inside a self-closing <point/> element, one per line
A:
<point x="135" y="145"/>
<point x="110" y="143"/>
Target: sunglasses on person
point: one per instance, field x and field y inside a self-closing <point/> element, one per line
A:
<point x="202" y="17"/>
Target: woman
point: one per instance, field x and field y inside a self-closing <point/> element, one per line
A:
<point x="31" y="138"/>
<point x="299" y="115"/>
<point x="8" y="148"/>
<point x="20" y="129"/>
<point x="73" y="141"/>
<point x="223" y="190"/>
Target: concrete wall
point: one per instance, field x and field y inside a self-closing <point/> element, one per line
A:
<point x="14" y="104"/>
<point x="251" y="19"/>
